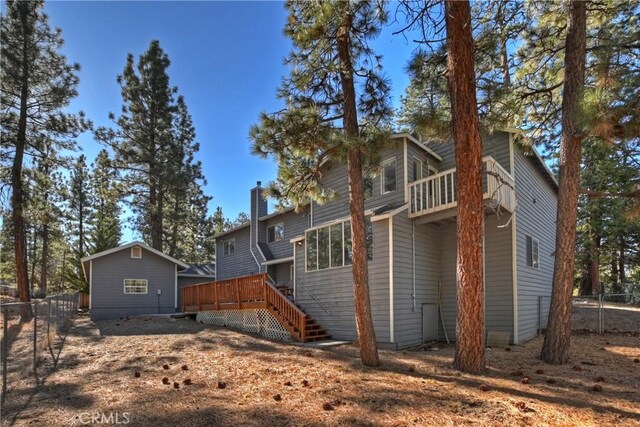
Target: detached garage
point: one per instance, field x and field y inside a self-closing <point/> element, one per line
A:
<point x="134" y="279"/>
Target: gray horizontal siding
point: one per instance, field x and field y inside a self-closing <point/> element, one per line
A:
<point x="108" y="299"/>
<point x="407" y="306"/>
<point x="294" y="225"/>
<point x="536" y="217"/>
<point x="241" y="262"/>
<point x="334" y="289"/>
<point x="495" y="145"/>
<point x="335" y="179"/>
<point x="498" y="275"/>
<point x="448" y="248"/>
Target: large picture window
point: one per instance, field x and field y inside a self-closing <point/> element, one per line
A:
<point x="136" y="286"/>
<point x="331" y="246"/>
<point x="275" y="232"/>
<point x="388" y="175"/>
<point x="533" y="252"/>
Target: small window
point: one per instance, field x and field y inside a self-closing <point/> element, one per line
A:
<point x="417" y="169"/>
<point x="136" y="286"/>
<point x="136" y="252"/>
<point x="533" y="252"/>
<point x="431" y="171"/>
<point x="367" y="184"/>
<point x="275" y="233"/>
<point x="229" y="246"/>
<point x="388" y="175"/>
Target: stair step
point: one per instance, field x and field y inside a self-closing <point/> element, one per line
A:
<point x="316" y="332"/>
<point x="317" y="338"/>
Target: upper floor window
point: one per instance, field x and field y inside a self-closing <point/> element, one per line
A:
<point x="331" y="246"/>
<point x="275" y="232"/>
<point x="388" y="175"/>
<point x="417" y="169"/>
<point x="367" y="184"/>
<point x="229" y="246"/>
<point x="136" y="252"/>
<point x="533" y="252"/>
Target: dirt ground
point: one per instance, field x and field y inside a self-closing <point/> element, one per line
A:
<point x="239" y="379"/>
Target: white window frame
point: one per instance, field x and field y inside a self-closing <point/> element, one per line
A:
<point x="133" y="250"/>
<point x="432" y="170"/>
<point x="344" y="252"/>
<point x="139" y="285"/>
<point x="535" y="255"/>
<point x="276" y="238"/>
<point x="383" y="177"/>
<point x="418" y="174"/>
<point x="224" y="247"/>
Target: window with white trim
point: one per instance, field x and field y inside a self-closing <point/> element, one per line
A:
<point x="533" y="252"/>
<point x="136" y="252"/>
<point x="229" y="246"/>
<point x="275" y="232"/>
<point x="417" y="169"/>
<point x="367" y="184"/>
<point x="331" y="246"/>
<point x="388" y="175"/>
<point x="136" y="286"/>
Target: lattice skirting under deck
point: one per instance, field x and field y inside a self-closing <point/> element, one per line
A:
<point x="258" y="321"/>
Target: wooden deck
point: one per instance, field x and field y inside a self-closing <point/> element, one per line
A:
<point x="252" y="292"/>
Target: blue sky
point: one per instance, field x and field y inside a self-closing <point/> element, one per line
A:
<point x="226" y="59"/>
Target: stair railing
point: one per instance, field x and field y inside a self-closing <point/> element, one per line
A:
<point x="288" y="310"/>
<point x="314" y="298"/>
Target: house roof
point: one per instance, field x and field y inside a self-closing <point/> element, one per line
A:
<point x="239" y="227"/>
<point x="276" y="213"/>
<point x="129" y="245"/>
<point x="199" y="270"/>
<point x="419" y="144"/>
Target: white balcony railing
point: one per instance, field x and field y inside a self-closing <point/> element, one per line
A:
<point x="438" y="192"/>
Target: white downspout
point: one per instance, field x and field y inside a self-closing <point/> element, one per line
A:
<point x="413" y="263"/>
<point x="391" y="314"/>
<point x="293" y="278"/>
<point x="514" y="247"/>
<point x="90" y="283"/>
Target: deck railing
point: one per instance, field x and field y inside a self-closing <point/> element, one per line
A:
<point x="438" y="192"/>
<point x="245" y="292"/>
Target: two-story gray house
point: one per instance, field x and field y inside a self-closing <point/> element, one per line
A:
<point x="411" y="208"/>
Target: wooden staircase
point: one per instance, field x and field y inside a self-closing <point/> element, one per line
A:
<point x="251" y="292"/>
<point x="312" y="330"/>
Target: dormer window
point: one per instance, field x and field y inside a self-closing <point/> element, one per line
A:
<point x="136" y="252"/>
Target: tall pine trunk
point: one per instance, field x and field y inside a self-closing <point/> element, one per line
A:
<point x="17" y="186"/>
<point x="555" y="348"/>
<point x="44" y="267"/>
<point x="469" y="354"/>
<point x="364" y="319"/>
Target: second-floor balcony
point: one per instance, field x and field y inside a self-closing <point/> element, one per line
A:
<point x="437" y="193"/>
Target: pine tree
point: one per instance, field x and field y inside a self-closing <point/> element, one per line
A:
<point x="36" y="84"/>
<point x="327" y="118"/>
<point x="469" y="354"/>
<point x="143" y="139"/>
<point x="426" y="105"/>
<point x="555" y="348"/>
<point x="186" y="221"/>
<point x="79" y="205"/>
<point x="105" y="232"/>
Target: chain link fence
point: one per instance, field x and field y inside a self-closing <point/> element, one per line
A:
<point x="602" y="313"/>
<point x="31" y="338"/>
